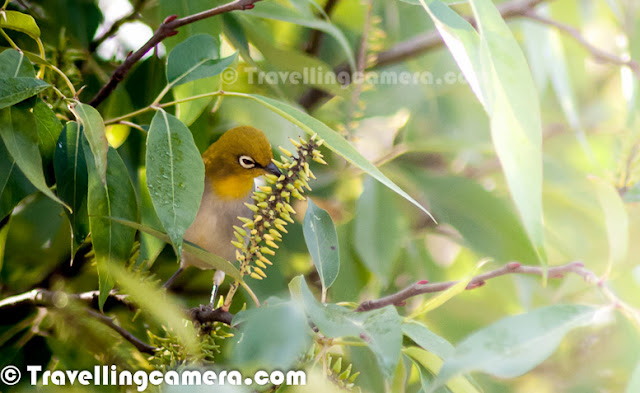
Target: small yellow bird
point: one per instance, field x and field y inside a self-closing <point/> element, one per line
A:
<point x="231" y="165"/>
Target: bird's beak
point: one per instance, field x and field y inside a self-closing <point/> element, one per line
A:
<point x="273" y="169"/>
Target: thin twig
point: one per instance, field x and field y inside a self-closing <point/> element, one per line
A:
<point x="597" y="53"/>
<point x="45" y="298"/>
<point x="420" y="288"/>
<point x="166" y="29"/>
<point x="139" y="344"/>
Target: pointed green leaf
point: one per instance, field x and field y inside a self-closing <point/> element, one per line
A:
<point x="333" y="140"/>
<point x="94" y="132"/>
<point x="506" y="89"/>
<point x="18" y="21"/>
<point x="18" y="131"/>
<point x="49" y="128"/>
<point x="514" y="345"/>
<point x="322" y="242"/>
<point x="427" y="339"/>
<point x="433" y="364"/>
<point x="175" y="175"/>
<point x="15" y="64"/>
<point x="195" y="58"/>
<point x="215" y="261"/>
<point x="112" y="241"/>
<point x="616" y="221"/>
<point x="14" y="90"/>
<point x="150" y="246"/>
<point x="72" y="179"/>
<point x="379" y="329"/>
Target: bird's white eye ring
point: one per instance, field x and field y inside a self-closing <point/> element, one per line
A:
<point x="247" y="162"/>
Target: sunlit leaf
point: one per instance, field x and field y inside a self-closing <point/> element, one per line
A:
<point x="18" y="21"/>
<point x="616" y="221"/>
<point x="508" y="94"/>
<point x="322" y="241"/>
<point x="433" y="363"/>
<point x="427" y="339"/>
<point x="175" y="175"/>
<point x="514" y="345"/>
<point x="112" y="241"/>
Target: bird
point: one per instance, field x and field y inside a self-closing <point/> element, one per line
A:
<point x="231" y="164"/>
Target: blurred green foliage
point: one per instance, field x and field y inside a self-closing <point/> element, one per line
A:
<point x="534" y="160"/>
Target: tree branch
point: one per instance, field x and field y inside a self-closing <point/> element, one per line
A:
<point x="139" y="344"/>
<point x="420" y="287"/>
<point x="46" y="298"/>
<point x="598" y="54"/>
<point x="166" y="29"/>
<point x="205" y="314"/>
<point x="315" y="40"/>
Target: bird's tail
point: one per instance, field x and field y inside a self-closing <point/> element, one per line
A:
<point x="218" y="278"/>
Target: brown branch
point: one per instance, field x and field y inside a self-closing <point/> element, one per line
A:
<point x="139" y="344"/>
<point x="166" y="29"/>
<point x="420" y="287"/>
<point x="418" y="45"/>
<point x="597" y="53"/>
<point x="46" y="298"/>
<point x="135" y="14"/>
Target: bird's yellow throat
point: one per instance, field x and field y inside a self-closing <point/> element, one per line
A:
<point x="233" y="187"/>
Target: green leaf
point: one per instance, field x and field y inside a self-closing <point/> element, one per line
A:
<point x="433" y="364"/>
<point x="380" y="329"/>
<point x="15" y="64"/>
<point x="14" y="186"/>
<point x="322" y="241"/>
<point x="487" y="223"/>
<point x="94" y="131"/>
<point x="427" y="339"/>
<point x="112" y="241"/>
<point x="72" y="179"/>
<point x="215" y="261"/>
<point x="175" y="175"/>
<point x="616" y="221"/>
<point x="514" y="345"/>
<point x="18" y="21"/>
<point x="379" y="229"/>
<point x="150" y="246"/>
<point x="506" y="89"/>
<point x="195" y="58"/>
<point x="272" y="10"/>
<point x="18" y="131"/>
<point x="49" y="128"/>
<point x="333" y="140"/>
<point x="287" y="342"/>
<point x="14" y="90"/>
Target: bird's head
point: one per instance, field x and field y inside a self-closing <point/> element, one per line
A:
<point x="233" y="161"/>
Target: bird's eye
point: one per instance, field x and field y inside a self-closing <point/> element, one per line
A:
<point x="246" y="162"/>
